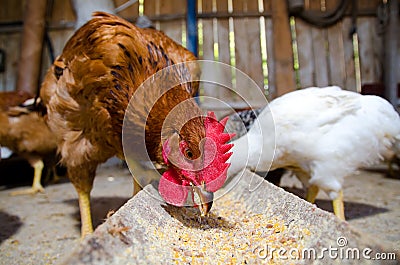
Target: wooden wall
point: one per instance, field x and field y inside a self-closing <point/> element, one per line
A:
<point x="10" y="11"/>
<point x="325" y="55"/>
<point x="60" y="19"/>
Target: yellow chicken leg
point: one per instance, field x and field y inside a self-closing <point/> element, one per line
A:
<point x="36" y="185"/>
<point x="86" y="217"/>
<point x="338" y="207"/>
<point x="312" y="193"/>
<point x="136" y="187"/>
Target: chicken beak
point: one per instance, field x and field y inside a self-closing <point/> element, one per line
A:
<point x="205" y="199"/>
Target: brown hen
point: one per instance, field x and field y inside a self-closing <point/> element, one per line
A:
<point x="87" y="91"/>
<point x="13" y="98"/>
<point x="24" y="131"/>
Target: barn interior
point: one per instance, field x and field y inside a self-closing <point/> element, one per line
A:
<point x="251" y="53"/>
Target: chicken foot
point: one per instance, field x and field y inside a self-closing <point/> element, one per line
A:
<point x="338" y="207"/>
<point x="82" y="177"/>
<point x="86" y="217"/>
<point x="36" y="185"/>
<point x="312" y="193"/>
<point x="136" y="187"/>
<point x="337" y="203"/>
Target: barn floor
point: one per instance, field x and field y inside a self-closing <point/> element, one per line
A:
<point x="44" y="228"/>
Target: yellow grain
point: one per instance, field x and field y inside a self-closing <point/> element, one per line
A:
<point x="229" y="235"/>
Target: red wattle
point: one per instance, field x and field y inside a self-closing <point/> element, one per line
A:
<point x="172" y="189"/>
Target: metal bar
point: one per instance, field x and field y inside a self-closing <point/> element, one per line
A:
<point x="191" y="30"/>
<point x="191" y="25"/>
<point x="124" y="6"/>
<point x="391" y="55"/>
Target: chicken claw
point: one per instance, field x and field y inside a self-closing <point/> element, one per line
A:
<point x="338" y="207"/>
<point x="312" y="193"/>
<point x="86" y="218"/>
<point x="36" y="185"/>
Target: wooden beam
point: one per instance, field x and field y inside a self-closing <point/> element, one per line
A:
<point x="31" y="48"/>
<point x="282" y="48"/>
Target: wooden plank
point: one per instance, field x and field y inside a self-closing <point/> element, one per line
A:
<point x="8" y="42"/>
<point x="336" y="60"/>
<point x="223" y="33"/>
<point x="319" y="42"/>
<point x="247" y="52"/>
<point x="283" y="53"/>
<point x="267" y="5"/>
<point x="239" y="5"/>
<point x="208" y="34"/>
<point x="149" y="7"/>
<point x="368" y="4"/>
<point x="172" y="28"/>
<point x="305" y="53"/>
<point x="330" y="5"/>
<point x="207" y="89"/>
<point x="320" y="49"/>
<point x="207" y="6"/>
<point x="242" y="54"/>
<point x="208" y="31"/>
<point x="62" y="11"/>
<point x="208" y="40"/>
<point x="348" y="55"/>
<point x="251" y="6"/>
<point x="11" y="10"/>
<point x="224" y="46"/>
<point x="370" y="47"/>
<point x="313" y="5"/>
<point x="130" y="12"/>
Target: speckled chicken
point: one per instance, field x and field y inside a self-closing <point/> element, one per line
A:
<point x="87" y="91"/>
<point x="240" y="123"/>
<point x="24" y="131"/>
<point x="322" y="135"/>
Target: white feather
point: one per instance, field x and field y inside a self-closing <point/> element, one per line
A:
<point x="321" y="134"/>
<point x="5" y="152"/>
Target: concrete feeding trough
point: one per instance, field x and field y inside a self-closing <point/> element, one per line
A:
<point x="245" y="226"/>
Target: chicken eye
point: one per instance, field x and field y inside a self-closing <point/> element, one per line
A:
<point x="188" y="153"/>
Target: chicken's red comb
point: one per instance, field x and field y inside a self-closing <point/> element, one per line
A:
<point x="216" y="153"/>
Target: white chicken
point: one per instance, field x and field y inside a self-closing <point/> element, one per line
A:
<point x="322" y="135"/>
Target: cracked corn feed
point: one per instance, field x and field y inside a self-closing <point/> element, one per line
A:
<point x="230" y="234"/>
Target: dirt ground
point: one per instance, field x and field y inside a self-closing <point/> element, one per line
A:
<point x="44" y="228"/>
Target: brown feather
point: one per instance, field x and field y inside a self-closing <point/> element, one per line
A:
<point x="102" y="65"/>
<point x="22" y="130"/>
<point x="89" y="86"/>
<point x="12" y="99"/>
